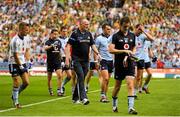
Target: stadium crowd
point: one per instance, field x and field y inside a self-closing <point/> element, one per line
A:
<point x="160" y="17"/>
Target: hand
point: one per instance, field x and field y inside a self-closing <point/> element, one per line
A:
<point x="22" y="69"/>
<point x="133" y="58"/>
<point x="54" y="44"/>
<point x="67" y="62"/>
<point x="154" y="59"/>
<point x="125" y="63"/>
<point x="129" y="52"/>
<point x="28" y="65"/>
<point x="141" y="28"/>
<point x="99" y="57"/>
<point x="97" y="64"/>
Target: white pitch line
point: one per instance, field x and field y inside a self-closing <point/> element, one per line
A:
<point x="51" y="100"/>
<point x="42" y="102"/>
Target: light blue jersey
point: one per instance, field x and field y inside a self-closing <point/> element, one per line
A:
<point x="142" y="45"/>
<point x="64" y="41"/>
<point x="147" y="45"/>
<point x="102" y="43"/>
<point x="140" y="42"/>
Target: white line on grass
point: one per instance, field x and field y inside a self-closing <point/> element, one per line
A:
<point x="42" y="102"/>
<point x="51" y="100"/>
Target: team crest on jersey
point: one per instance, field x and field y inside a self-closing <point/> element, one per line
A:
<point x="120" y="40"/>
<point x="126" y="40"/>
<point x="131" y="40"/>
<point x="126" y="46"/>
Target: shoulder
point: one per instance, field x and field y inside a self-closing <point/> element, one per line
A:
<point x="131" y="34"/>
<point x="15" y="39"/>
<point x="99" y="37"/>
<point x="114" y="36"/>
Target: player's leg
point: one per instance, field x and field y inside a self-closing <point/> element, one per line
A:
<point x="130" y="87"/>
<point x="115" y="92"/>
<point x="25" y="81"/>
<point x="59" y="81"/>
<point x="49" y="76"/>
<point x="87" y="79"/>
<point x="138" y="78"/>
<point x="25" y="78"/>
<point x="105" y="81"/>
<point x="66" y="80"/>
<point x="149" y="72"/>
<point x="15" y="91"/>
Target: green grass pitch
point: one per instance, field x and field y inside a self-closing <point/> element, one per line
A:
<point x="164" y="99"/>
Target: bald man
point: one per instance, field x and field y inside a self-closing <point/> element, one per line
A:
<point x="80" y="41"/>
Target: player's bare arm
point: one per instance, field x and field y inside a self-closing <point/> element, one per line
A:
<point x="46" y="47"/>
<point x="112" y="50"/>
<point x="149" y="36"/>
<point x="27" y="54"/>
<point x="17" y="58"/>
<point x="67" y="54"/>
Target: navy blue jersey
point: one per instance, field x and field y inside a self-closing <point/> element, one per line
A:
<point x="123" y="42"/>
<point x="54" y="53"/>
<point x="80" y="42"/>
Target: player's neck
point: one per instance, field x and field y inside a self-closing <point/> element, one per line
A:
<point x="20" y="36"/>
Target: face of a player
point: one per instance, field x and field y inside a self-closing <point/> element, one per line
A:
<point x="125" y="27"/>
<point x="138" y="31"/>
<point x="85" y="25"/>
<point x="54" y="35"/>
<point x="64" y="32"/>
<point x="24" y="31"/>
<point x="107" y="30"/>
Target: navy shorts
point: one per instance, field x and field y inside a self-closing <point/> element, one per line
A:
<point x="147" y="65"/>
<point x="92" y="66"/>
<point x="14" y="70"/>
<point x="106" y="65"/>
<point x="51" y="67"/>
<point x="121" y="72"/>
<point x="141" y="64"/>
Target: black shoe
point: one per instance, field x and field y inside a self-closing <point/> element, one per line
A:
<point x="51" y="93"/>
<point x="18" y="106"/>
<point x="132" y="111"/>
<point x="85" y="101"/>
<point x="104" y="100"/>
<point x="115" y="109"/>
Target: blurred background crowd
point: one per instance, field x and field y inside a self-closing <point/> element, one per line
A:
<point x="160" y="17"/>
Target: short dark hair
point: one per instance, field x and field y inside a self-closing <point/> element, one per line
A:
<point x="54" y="30"/>
<point x="104" y="25"/>
<point x="22" y="25"/>
<point x="124" y="20"/>
<point x="137" y="25"/>
<point x="63" y="27"/>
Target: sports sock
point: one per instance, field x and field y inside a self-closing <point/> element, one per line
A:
<point x="15" y="94"/>
<point x="147" y="81"/>
<point x="65" y="81"/>
<point x="130" y="102"/>
<point x="103" y="94"/>
<point x="115" y="101"/>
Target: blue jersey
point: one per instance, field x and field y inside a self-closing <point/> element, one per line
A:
<point x="146" y="51"/>
<point x="140" y="43"/>
<point x="64" y="41"/>
<point x="102" y="43"/>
